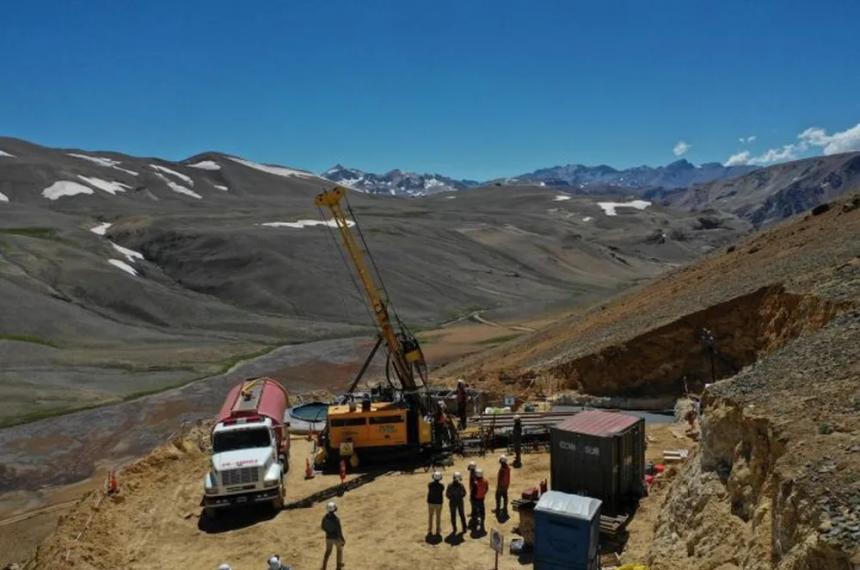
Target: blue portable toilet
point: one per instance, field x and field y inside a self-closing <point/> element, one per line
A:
<point x="567" y="530"/>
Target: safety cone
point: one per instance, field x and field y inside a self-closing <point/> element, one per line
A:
<point x="309" y="471"/>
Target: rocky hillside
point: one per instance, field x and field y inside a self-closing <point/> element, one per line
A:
<point x="774" y="193"/>
<point x="395" y="182"/>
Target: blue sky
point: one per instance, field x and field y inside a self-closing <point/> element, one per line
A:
<point x="466" y="88"/>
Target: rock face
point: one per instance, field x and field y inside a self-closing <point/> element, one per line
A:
<point x="679" y="174"/>
<point x="773" y="193"/>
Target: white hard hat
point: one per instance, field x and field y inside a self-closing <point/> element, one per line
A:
<point x="437" y="475"/>
<point x="331" y="507"/>
<point x="516" y="416"/>
<point x="472" y="465"/>
<point x="479" y="472"/>
<point x="275" y="562"/>
<point x="224" y="566"/>
<point x="458" y="476"/>
<point x="441" y="404"/>
<point x="461" y="381"/>
<point x="503" y="459"/>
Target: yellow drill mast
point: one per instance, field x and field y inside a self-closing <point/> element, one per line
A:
<point x="402" y="348"/>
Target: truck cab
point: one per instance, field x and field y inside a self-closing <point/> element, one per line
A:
<point x="250" y="454"/>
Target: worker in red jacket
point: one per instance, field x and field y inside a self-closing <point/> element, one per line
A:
<point x="482" y="487"/>
<point x="504" y="481"/>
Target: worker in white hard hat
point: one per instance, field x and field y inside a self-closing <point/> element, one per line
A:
<point x="224" y="566"/>
<point x="462" y="402"/>
<point x="456" y="494"/>
<point x="435" y="498"/>
<point x="472" y="467"/>
<point x="502" y="483"/>
<point x="482" y="487"/>
<point x="274" y="563"/>
<point x="333" y="535"/>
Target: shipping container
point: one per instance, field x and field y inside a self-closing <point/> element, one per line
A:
<point x="567" y="530"/>
<point x="601" y="455"/>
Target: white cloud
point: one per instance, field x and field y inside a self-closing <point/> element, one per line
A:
<point x="844" y="141"/>
<point x="747" y="140"/>
<point x="739" y="159"/>
<point x="681" y="148"/>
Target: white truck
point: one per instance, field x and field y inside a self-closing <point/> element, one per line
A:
<point x="250" y="448"/>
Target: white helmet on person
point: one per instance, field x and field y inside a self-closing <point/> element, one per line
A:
<point x="437" y="475"/>
<point x="516" y="417"/>
<point x="503" y="459"/>
<point x="331" y="507"/>
<point x="479" y="472"/>
<point x="224" y="566"/>
<point x="461" y="381"/>
<point x="472" y="466"/>
<point x="458" y="476"/>
<point x="275" y="562"/>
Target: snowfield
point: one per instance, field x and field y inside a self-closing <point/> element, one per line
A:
<point x="6" y="154"/>
<point x="123" y="265"/>
<point x="185" y="178"/>
<point x="3" y="197"/>
<point x="561" y="198"/>
<point x="609" y="207"/>
<point x="305" y="224"/>
<point x="65" y="188"/>
<point x="129" y="254"/>
<point x="110" y="187"/>
<point x="102" y="161"/>
<point x="276" y="170"/>
<point x="178" y="188"/>
<point x="101" y="229"/>
<point x="206" y="165"/>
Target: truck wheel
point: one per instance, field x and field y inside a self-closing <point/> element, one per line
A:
<point x="278" y="503"/>
<point x="285" y="464"/>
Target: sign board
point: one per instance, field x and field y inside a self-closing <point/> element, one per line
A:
<point x="510" y="401"/>
<point x="497" y="541"/>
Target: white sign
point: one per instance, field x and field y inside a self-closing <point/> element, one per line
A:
<point x="497" y="541"/>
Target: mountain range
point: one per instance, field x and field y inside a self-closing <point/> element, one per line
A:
<point x="574" y="177"/>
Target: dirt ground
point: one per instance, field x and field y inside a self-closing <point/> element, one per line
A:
<point x="156" y="520"/>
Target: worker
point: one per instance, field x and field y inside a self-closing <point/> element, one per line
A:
<point x="462" y="402"/>
<point x="481" y="489"/>
<point x="435" y="498"/>
<point x="456" y="493"/>
<point x="502" y="484"/>
<point x="441" y="424"/>
<point x="333" y="535"/>
<point x="274" y="563"/>
<point x="472" y="510"/>
<point x="517" y="440"/>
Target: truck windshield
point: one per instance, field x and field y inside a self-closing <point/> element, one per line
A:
<point x="240" y="439"/>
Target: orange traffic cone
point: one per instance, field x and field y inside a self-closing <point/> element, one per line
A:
<point x="309" y="471"/>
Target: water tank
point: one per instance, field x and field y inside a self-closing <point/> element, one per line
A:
<point x="567" y="530"/>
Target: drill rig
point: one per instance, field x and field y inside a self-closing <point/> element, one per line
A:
<point x="409" y="420"/>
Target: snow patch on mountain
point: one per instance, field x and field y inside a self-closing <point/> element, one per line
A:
<point x="129" y="254"/>
<point x="3" y="197"/>
<point x="206" y="165"/>
<point x="609" y="208"/>
<point x="101" y="229"/>
<point x="110" y="187"/>
<point x="276" y="170"/>
<point x="63" y="188"/>
<point x="220" y="187"/>
<point x="178" y="188"/>
<point x="6" y="154"/>
<point x="124" y="266"/>
<point x="103" y="161"/>
<point x="185" y="178"/>
<point x="299" y="224"/>
<point x="561" y="198"/>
